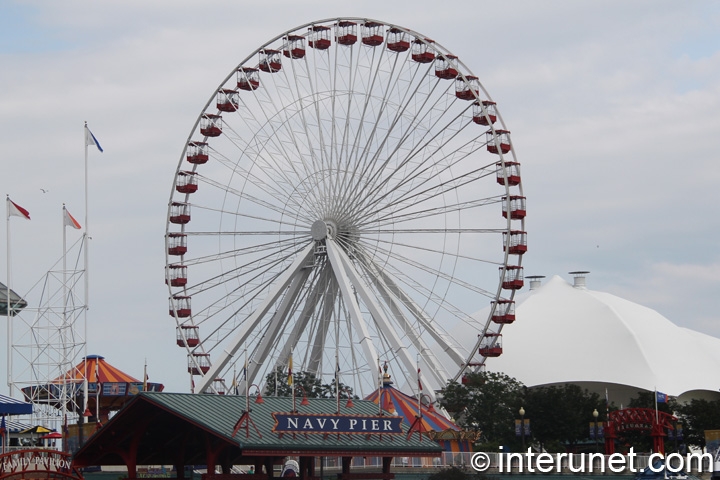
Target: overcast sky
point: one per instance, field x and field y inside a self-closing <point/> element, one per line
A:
<point x="613" y="107"/>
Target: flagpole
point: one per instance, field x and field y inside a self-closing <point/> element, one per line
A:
<point x="9" y="323"/>
<point x="64" y="324"/>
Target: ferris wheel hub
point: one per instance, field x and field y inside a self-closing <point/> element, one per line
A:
<point x="319" y="230"/>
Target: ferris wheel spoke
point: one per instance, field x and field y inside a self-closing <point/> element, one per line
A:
<point x="250" y="323"/>
<point x="429" y="172"/>
<point x="429" y="213"/>
<point x="378" y="314"/>
<point x="391" y="286"/>
<point x="380" y="281"/>
<point x="277" y="320"/>
<point x="345" y="287"/>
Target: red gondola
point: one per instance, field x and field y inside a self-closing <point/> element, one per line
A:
<point x="346" y="32"/>
<point x="198" y="363"/>
<point x="467" y="90"/>
<point x="211" y="125"/>
<point x="319" y="37"/>
<point x="180" y="306"/>
<point x="491" y="345"/>
<point x="294" y="46"/>
<point x="446" y="67"/>
<point x="397" y="40"/>
<point x="179" y="213"/>
<point x="504" y="312"/>
<point x="248" y="78"/>
<point x="197" y="153"/>
<point x="177" y="244"/>
<point x="188" y="336"/>
<point x="510" y="174"/>
<point x="498" y="142"/>
<point x="186" y="182"/>
<point x="227" y="100"/>
<point x="270" y="61"/>
<point x="513" y="277"/>
<point x="516" y="206"/>
<point x="372" y="34"/>
<point x="484" y="113"/>
<point x="516" y="244"/>
<point x="421" y="51"/>
<point x="176" y="275"/>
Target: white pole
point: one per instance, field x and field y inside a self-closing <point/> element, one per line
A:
<point x="63" y="334"/>
<point x="9" y="323"/>
<point x="86" y="241"/>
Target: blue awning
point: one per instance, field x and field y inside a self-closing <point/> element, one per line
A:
<point x="11" y="406"/>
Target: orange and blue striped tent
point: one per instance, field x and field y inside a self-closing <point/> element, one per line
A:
<point x="97" y="370"/>
<point x="446" y="433"/>
<point x="106" y="384"/>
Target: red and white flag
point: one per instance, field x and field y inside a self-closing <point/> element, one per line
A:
<point x="13" y="209"/>
<point x="69" y="220"/>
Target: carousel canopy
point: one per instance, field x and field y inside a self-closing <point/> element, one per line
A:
<point x="394" y="401"/>
<point x="104" y="382"/>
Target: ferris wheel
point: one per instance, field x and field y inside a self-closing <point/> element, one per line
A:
<point x="348" y="197"/>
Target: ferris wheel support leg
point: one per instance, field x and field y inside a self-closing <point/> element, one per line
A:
<point x="282" y="282"/>
<point x="427" y="323"/>
<point x="436" y="370"/>
<point x="302" y="322"/>
<point x="319" y="344"/>
<point x="371" y="355"/>
<point x="277" y="320"/>
<point x="377" y="313"/>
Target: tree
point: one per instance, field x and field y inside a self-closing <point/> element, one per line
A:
<point x="697" y="416"/>
<point x="560" y="415"/>
<point x="485" y="401"/>
<point x="305" y="383"/>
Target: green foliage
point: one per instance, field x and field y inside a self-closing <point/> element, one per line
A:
<point x="306" y="382"/>
<point x="487" y="402"/>
<point x="697" y="416"/>
<point x="562" y="413"/>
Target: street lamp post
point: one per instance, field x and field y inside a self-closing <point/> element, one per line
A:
<point x="522" y="426"/>
<point x="595" y="416"/>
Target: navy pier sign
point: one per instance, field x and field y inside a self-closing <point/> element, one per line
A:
<point x="328" y="424"/>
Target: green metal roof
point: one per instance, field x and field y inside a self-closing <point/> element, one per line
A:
<point x="159" y="425"/>
<point x="220" y="413"/>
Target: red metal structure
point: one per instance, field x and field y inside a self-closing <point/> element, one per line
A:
<point x="270" y="61"/>
<point x="227" y="100"/>
<point x="446" y="67"/>
<point x="177" y="244"/>
<point x="294" y="46"/>
<point x="397" y="40"/>
<point x="504" y="312"/>
<point x="484" y="113"/>
<point x="319" y="37"/>
<point x="372" y="34"/>
<point x="197" y="153"/>
<point x="643" y="419"/>
<point x="491" y="345"/>
<point x="346" y="32"/>
<point x="211" y="125"/>
<point x="421" y="51"/>
<point x="248" y="78"/>
<point x="186" y="182"/>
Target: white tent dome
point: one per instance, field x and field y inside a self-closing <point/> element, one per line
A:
<point x="569" y="334"/>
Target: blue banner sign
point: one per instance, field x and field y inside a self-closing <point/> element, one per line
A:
<point x="346" y="424"/>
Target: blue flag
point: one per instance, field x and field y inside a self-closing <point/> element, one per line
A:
<point x="90" y="139"/>
<point x="661" y="397"/>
